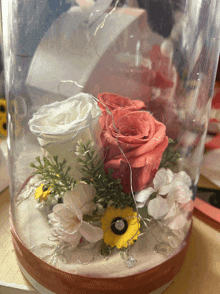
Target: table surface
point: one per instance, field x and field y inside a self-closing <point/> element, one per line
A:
<point x="200" y="273"/>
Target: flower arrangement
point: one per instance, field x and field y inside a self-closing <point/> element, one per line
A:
<point x="111" y="173"/>
<point x="128" y="173"/>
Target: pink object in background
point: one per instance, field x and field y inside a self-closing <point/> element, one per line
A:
<point x="214" y="122"/>
<point x="210" y="164"/>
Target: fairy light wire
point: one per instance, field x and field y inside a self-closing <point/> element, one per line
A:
<point x="139" y="217"/>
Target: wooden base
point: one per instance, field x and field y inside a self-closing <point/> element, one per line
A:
<point x="43" y="290"/>
<point x="57" y="281"/>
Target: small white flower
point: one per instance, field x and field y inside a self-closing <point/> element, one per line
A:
<point x="67" y="221"/>
<point x="171" y="190"/>
<point x="161" y="184"/>
<point x="158" y="207"/>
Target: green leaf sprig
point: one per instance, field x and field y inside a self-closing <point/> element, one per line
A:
<point x="55" y="174"/>
<point x="170" y="155"/>
<point x="108" y="190"/>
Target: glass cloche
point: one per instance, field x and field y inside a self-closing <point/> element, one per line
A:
<point x="108" y="105"/>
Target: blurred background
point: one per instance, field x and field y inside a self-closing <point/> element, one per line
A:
<point x="1" y="59"/>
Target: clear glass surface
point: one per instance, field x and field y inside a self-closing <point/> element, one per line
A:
<point x="120" y="92"/>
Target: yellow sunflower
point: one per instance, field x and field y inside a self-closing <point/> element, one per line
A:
<point x="2" y="106"/>
<point x="42" y="192"/>
<point x="3" y="125"/>
<point x="120" y="227"/>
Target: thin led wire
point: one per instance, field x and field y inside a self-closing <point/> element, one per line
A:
<point x="107" y="15"/>
<point x="130" y="169"/>
<point x="68" y="81"/>
<point x="139" y="217"/>
<point x="99" y="27"/>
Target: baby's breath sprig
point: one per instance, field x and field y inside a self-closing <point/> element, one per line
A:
<point x="108" y="190"/>
<point x="170" y="155"/>
<point x="55" y="175"/>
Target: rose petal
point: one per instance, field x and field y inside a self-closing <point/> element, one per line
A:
<point x="133" y="140"/>
<point x="157" y="131"/>
<point x="90" y="233"/>
<point x="158" y="207"/>
<point x="140" y="176"/>
<point x="142" y="196"/>
<point x="151" y="158"/>
<point x="114" y="101"/>
<point x="64" y="120"/>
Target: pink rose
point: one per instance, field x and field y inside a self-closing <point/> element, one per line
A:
<point x="114" y="101"/>
<point x="141" y="138"/>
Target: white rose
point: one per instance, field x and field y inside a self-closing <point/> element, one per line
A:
<point x="62" y="121"/>
<point x="60" y="125"/>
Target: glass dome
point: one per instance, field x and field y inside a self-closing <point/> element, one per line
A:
<point x="108" y="105"/>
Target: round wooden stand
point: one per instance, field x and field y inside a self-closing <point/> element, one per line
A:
<point x="48" y="280"/>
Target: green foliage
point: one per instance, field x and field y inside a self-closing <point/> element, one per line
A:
<point x="108" y="190"/>
<point x="170" y="155"/>
<point x="55" y="174"/>
<point x="92" y="218"/>
<point x="105" y="249"/>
